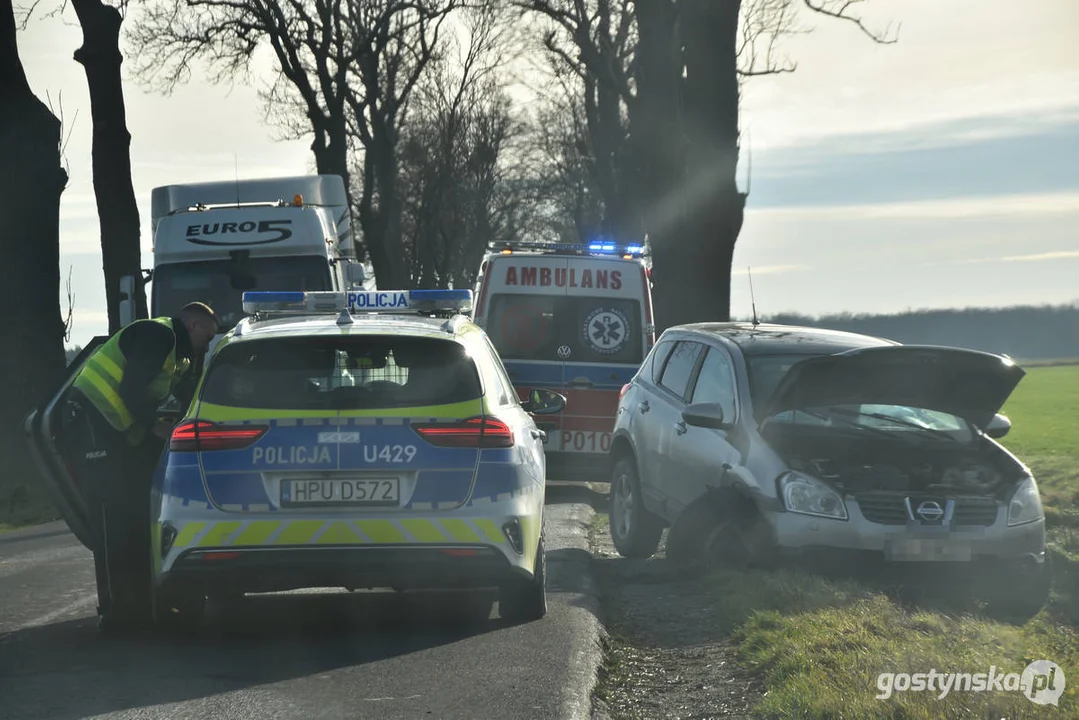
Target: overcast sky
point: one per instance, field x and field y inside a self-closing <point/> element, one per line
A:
<point x="941" y="171"/>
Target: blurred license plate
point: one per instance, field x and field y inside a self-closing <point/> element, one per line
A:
<point x="921" y="550"/>
<point x="369" y="491"/>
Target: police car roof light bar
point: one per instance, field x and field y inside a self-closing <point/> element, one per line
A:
<point x="374" y="301"/>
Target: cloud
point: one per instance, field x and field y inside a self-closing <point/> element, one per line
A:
<point x="1035" y="257"/>
<point x="1032" y="205"/>
<point x="770" y="269"/>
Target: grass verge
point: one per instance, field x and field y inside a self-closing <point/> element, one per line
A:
<point x="23" y="505"/>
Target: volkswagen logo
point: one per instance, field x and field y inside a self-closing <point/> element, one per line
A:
<point x="929" y="511"/>
<point x="564" y="351"/>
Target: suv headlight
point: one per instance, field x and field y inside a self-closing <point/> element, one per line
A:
<point x="1026" y="504"/>
<point x="809" y="496"/>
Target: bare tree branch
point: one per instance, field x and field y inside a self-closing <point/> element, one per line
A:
<point x="839" y="9"/>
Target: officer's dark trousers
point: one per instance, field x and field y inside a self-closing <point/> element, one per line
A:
<point x="115" y="479"/>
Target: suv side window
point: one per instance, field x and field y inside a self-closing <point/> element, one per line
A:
<point x="659" y="357"/>
<point x="715" y="382"/>
<point x="679" y="367"/>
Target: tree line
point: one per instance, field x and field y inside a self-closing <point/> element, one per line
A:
<point x="1025" y="332"/>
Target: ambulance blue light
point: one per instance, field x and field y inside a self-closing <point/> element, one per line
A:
<point x="603" y="247"/>
<point x="634" y="249"/>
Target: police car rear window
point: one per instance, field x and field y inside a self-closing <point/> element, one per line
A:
<point x="546" y="327"/>
<point x="341" y="373"/>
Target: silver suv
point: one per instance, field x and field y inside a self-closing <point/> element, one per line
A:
<point x="755" y="442"/>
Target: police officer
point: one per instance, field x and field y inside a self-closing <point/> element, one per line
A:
<point x="114" y="440"/>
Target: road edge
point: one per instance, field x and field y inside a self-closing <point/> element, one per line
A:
<point x="570" y="574"/>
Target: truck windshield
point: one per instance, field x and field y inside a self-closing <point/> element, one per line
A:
<point x="221" y="285"/>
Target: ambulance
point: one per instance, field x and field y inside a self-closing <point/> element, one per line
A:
<point x="572" y="318"/>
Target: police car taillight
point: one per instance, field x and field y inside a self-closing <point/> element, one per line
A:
<point x="477" y="432"/>
<point x="203" y="436"/>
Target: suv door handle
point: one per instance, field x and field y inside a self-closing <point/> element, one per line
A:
<point x="680" y="427"/>
<point x="642" y="407"/>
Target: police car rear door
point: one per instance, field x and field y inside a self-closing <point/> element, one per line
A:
<point x="44" y="434"/>
<point x="523" y="297"/>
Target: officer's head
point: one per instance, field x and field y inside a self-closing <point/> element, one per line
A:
<point x="201" y="324"/>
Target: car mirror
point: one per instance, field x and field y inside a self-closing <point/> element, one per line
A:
<point x="355" y="275"/>
<point x="998" y="427"/>
<point x="544" y="402"/>
<point x="706" y="415"/>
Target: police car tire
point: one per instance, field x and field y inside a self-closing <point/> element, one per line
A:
<point x="522" y="600"/>
<point x="645" y="528"/>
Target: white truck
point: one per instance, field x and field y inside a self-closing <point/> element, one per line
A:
<point x="213" y="241"/>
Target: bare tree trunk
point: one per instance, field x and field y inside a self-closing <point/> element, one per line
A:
<point x="715" y="206"/>
<point x="31" y="181"/>
<point x="657" y="143"/>
<point x="117" y="210"/>
<point x="330" y="149"/>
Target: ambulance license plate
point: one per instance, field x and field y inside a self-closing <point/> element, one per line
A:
<point x="374" y="492"/>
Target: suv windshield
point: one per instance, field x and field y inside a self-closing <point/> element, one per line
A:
<point x="595" y="329"/>
<point x="221" y="283"/>
<point x="341" y="373"/>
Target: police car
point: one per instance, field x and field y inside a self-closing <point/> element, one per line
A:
<point x="573" y="317"/>
<point x="356" y="440"/>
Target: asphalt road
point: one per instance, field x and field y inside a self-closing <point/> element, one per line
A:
<point x="299" y="655"/>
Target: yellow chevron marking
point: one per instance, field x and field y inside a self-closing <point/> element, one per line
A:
<point x="188" y="533"/>
<point x="257" y="532"/>
<point x="488" y="528"/>
<point x="460" y="530"/>
<point x="381" y="531"/>
<point x="299" y="532"/>
<point x="423" y="530"/>
<point x="218" y="533"/>
<point x="339" y="534"/>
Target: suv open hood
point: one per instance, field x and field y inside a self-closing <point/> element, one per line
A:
<point x="969" y="384"/>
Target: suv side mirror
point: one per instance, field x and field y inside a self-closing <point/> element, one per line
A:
<point x="998" y="427"/>
<point x="544" y="402"/>
<point x="705" y="415"/>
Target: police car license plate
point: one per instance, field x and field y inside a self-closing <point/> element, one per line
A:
<point x="367" y="492"/>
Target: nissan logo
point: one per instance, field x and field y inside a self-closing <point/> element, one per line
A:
<point x="929" y="511"/>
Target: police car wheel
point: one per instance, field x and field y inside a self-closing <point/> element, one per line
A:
<point x="526" y="600"/>
<point x="635" y="531"/>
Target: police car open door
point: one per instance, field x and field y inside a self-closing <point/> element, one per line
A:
<point x="43" y="428"/>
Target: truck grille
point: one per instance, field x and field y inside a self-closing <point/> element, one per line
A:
<point x="890" y="509"/>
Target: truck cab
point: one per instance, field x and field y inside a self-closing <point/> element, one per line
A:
<point x="214" y="241"/>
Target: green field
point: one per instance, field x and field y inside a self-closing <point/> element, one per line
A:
<point x="1045" y="435"/>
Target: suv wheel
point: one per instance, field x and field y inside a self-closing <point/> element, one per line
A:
<point x="1018" y="593"/>
<point x="521" y="600"/>
<point x="634" y="530"/>
<point x="721" y="529"/>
